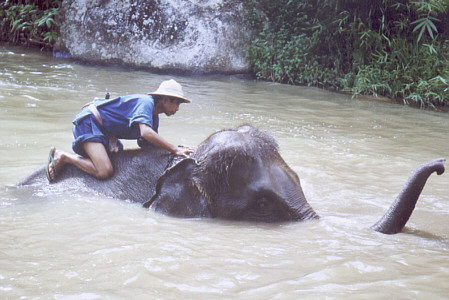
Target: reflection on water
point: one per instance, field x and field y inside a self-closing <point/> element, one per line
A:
<point x="352" y="157"/>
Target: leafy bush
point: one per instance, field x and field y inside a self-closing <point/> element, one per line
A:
<point x="397" y="49"/>
<point x="30" y="21"/>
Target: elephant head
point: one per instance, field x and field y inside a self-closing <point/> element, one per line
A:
<point x="240" y="175"/>
<point x="236" y="175"/>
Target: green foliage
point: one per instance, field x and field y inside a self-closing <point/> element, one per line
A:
<point x="30" y="21"/>
<point x="397" y="49"/>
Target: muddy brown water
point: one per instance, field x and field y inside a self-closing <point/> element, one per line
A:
<point x="353" y="156"/>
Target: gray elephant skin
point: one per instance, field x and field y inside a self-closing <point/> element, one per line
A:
<point x="235" y="174"/>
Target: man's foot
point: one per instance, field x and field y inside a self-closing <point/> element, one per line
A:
<point x="50" y="170"/>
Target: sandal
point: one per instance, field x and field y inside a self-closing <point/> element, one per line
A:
<point x="51" y="160"/>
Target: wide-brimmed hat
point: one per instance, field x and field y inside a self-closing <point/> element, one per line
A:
<point x="171" y="88"/>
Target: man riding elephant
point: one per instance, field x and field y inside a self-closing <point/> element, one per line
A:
<point x="101" y="123"/>
<point x="235" y="174"/>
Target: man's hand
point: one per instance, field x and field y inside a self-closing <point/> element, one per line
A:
<point x="184" y="150"/>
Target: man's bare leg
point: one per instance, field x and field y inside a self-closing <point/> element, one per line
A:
<point x="102" y="166"/>
<point x="98" y="164"/>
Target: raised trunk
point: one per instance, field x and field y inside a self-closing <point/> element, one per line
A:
<point x="401" y="210"/>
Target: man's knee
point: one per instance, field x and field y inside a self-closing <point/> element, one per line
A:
<point x="105" y="172"/>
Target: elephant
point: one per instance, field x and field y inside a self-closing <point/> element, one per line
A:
<point x="235" y="174"/>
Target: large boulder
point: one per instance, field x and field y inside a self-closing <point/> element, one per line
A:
<point x="196" y="36"/>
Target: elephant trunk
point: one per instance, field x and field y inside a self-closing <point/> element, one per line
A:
<point x="401" y="210"/>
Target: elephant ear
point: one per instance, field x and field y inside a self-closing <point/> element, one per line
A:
<point x="177" y="195"/>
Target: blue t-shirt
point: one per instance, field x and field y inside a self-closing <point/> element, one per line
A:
<point x="121" y="116"/>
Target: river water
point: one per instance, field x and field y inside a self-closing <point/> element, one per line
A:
<point x="353" y="156"/>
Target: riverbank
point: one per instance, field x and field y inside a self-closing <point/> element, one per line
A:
<point x="247" y="76"/>
<point x="397" y="50"/>
<point x="358" y="49"/>
<point x="442" y="108"/>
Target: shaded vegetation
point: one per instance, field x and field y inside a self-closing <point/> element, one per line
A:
<point x="398" y="49"/>
<point x="34" y="22"/>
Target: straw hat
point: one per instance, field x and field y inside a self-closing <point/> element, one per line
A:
<point x="171" y="88"/>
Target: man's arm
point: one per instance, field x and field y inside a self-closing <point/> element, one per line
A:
<point x="148" y="134"/>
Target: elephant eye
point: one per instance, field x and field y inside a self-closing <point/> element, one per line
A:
<point x="265" y="206"/>
<point x="262" y="205"/>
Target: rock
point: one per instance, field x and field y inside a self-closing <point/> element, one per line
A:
<point x="197" y="36"/>
<point x="60" y="50"/>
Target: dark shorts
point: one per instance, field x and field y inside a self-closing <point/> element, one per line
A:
<point x="87" y="130"/>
